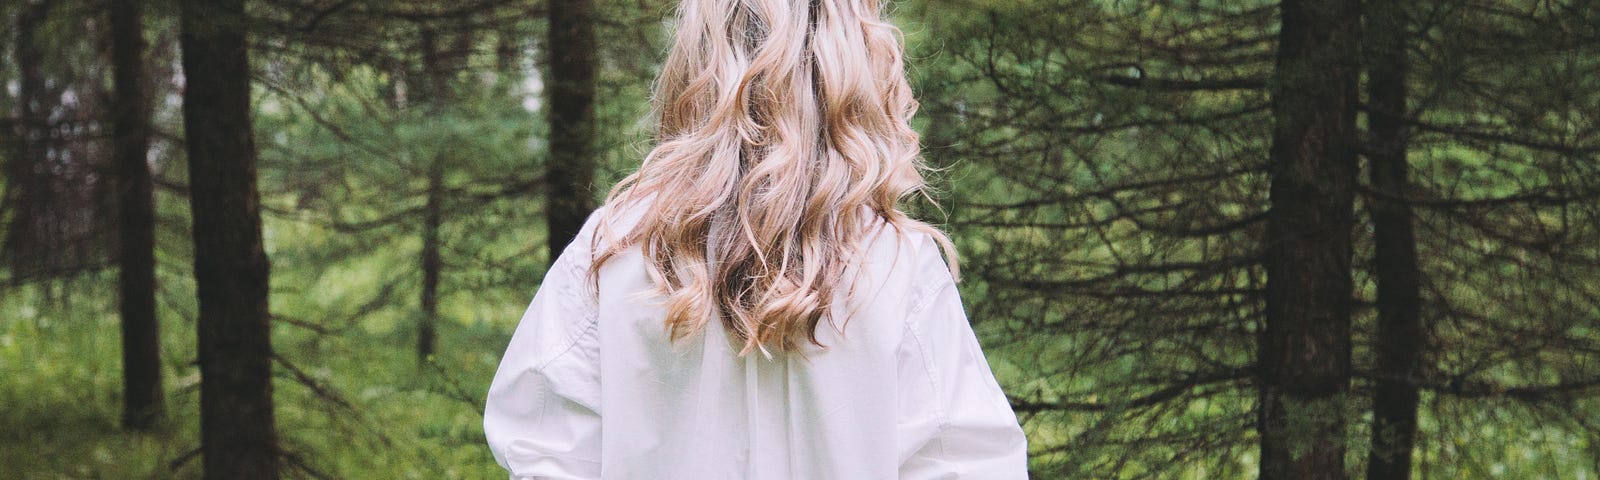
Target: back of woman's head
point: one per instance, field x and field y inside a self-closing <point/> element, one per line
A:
<point x="784" y="128"/>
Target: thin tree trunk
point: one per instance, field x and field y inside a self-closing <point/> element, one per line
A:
<point x="30" y="225"/>
<point x="237" y="436"/>
<point x="1400" y="339"/>
<point x="143" y="398"/>
<point x="508" y="58"/>
<point x="1304" y="356"/>
<point x="10" y="143"/>
<point x="432" y="263"/>
<point x="570" y="87"/>
<point x="438" y="89"/>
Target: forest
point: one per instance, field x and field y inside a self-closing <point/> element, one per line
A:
<point x="1200" y="239"/>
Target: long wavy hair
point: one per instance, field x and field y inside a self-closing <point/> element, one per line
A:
<point x="784" y="135"/>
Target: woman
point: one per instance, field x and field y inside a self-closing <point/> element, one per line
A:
<point x="750" y="304"/>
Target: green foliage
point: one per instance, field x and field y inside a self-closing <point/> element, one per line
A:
<point x="372" y="413"/>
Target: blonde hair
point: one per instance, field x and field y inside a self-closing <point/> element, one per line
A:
<point x="783" y="124"/>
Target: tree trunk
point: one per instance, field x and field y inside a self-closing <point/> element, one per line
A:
<point x="432" y="263"/>
<point x="30" y="228"/>
<point x="570" y="87"/>
<point x="438" y="89"/>
<point x="237" y="436"/>
<point x="143" y="398"/>
<point x="508" y="58"/>
<point x="1304" y="356"/>
<point x="1400" y="339"/>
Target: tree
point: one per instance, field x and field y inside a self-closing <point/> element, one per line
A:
<point x="56" y="197"/>
<point x="1499" y="119"/>
<point x="237" y="434"/>
<point x="1108" y="184"/>
<point x="570" y="83"/>
<point x="143" y="395"/>
<point x="1400" y="334"/>
<point x="436" y="79"/>
<point x="1304" y="358"/>
<point x="1113" y="172"/>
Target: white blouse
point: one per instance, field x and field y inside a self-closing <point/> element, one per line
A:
<point x="590" y="388"/>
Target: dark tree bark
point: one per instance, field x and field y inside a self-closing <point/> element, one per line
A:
<point x="143" y="398"/>
<point x="570" y="87"/>
<point x="32" y="224"/>
<point x="1304" y="356"/>
<point x="437" y="82"/>
<point x="508" y="53"/>
<point x="60" y="191"/>
<point x="237" y="435"/>
<point x="1400" y="341"/>
<point x="432" y="263"/>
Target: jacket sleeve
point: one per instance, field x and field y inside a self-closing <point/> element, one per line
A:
<point x="955" y="422"/>
<point x="542" y="414"/>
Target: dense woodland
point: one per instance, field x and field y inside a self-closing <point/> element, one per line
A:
<point x="1296" y="239"/>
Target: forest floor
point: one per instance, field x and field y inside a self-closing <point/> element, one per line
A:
<point x="354" y="405"/>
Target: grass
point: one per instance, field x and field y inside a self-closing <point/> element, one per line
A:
<point x="356" y="405"/>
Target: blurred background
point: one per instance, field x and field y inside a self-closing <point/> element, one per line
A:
<point x="1200" y="238"/>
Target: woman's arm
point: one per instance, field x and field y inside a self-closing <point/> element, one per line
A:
<point x="542" y="414"/>
<point x="955" y="420"/>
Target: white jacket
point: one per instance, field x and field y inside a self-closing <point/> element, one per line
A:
<point x="590" y="388"/>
